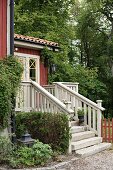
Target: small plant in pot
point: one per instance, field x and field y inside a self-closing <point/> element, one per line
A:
<point x="80" y="113"/>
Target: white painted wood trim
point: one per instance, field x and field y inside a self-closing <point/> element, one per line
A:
<point x="26" y="55"/>
<point x="31" y="45"/>
<point x="8" y="27"/>
<point x="81" y="97"/>
<point x="51" y="97"/>
<point x="30" y="56"/>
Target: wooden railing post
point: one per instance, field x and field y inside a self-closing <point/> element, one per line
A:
<point x="56" y="91"/>
<point x="99" y="117"/>
<point x="69" y="148"/>
<point x="68" y="104"/>
<point x="77" y="87"/>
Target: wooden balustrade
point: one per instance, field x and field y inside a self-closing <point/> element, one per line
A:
<point x="92" y="110"/>
<point x="59" y="97"/>
<point x="50" y="88"/>
<point x="32" y="96"/>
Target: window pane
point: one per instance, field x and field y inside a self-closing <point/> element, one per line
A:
<point x="33" y="74"/>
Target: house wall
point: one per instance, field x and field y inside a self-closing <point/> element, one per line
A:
<point x="43" y="74"/>
<point x="43" y="69"/>
<point x="3" y="28"/>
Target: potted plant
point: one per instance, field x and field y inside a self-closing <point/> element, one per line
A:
<point x="80" y="113"/>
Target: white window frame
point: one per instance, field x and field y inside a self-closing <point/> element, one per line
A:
<point x="28" y="57"/>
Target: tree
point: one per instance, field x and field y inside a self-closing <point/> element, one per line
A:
<point x="77" y="29"/>
<point x="95" y="32"/>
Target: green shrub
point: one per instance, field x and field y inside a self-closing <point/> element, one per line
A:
<point x="42" y="152"/>
<point x="38" y="154"/>
<point x="49" y="128"/>
<point x="6" y="149"/>
<point x="10" y="77"/>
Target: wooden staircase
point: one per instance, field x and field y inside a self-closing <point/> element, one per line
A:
<point x="85" y="142"/>
<point x="64" y="98"/>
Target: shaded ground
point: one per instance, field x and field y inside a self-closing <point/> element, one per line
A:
<point x="100" y="161"/>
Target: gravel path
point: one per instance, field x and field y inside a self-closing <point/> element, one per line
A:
<point x="100" y="161"/>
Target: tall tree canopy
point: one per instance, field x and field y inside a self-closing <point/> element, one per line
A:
<point x="84" y="31"/>
<point x="95" y="33"/>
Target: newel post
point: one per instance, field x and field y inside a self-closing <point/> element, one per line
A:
<point x="99" y="117"/>
<point x="68" y="106"/>
<point x="77" y="87"/>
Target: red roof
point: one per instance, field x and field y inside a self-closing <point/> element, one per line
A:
<point x="35" y="40"/>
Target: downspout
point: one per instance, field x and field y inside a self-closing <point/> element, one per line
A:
<point x="11" y="27"/>
<point x="12" y="53"/>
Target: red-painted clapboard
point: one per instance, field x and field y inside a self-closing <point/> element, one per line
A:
<point x="3" y="28"/>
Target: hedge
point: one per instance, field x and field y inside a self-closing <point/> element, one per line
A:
<point x="49" y="128"/>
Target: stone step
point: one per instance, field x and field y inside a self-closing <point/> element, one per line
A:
<point x="85" y="143"/>
<point x="93" y="149"/>
<point x="76" y="129"/>
<point x="75" y="123"/>
<point x="82" y="135"/>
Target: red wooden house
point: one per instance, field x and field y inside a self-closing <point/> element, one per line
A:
<point x="58" y="97"/>
<point x="28" y="50"/>
<point x="5" y="26"/>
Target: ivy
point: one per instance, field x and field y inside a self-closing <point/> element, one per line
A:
<point x="10" y="77"/>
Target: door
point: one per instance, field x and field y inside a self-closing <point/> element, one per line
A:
<point x="31" y="65"/>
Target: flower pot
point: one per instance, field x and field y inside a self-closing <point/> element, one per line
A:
<point x="81" y="118"/>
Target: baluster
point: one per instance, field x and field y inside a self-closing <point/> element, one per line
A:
<point x="21" y="97"/>
<point x="28" y="96"/>
<point x="99" y="117"/>
<point x="76" y="108"/>
<point x="56" y="91"/>
<point x="89" y="117"/>
<point x="80" y="104"/>
<point x="51" y="107"/>
<point x="76" y="87"/>
<point x="25" y="98"/>
<point x="47" y="105"/>
<point x="72" y="101"/>
<point x="33" y="102"/>
<point x="94" y="119"/>
<point x="17" y="99"/>
<point x="85" y="114"/>
<point x="42" y="103"/>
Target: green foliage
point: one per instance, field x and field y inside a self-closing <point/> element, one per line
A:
<point x="49" y="20"/>
<point x="84" y="31"/>
<point x="94" y="31"/>
<point x="10" y="77"/>
<point x="80" y="112"/>
<point x="38" y="154"/>
<point x="42" y="152"/>
<point x="47" y="127"/>
<point x="23" y="156"/>
<point x="5" y="150"/>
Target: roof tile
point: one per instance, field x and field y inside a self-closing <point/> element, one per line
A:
<point x="35" y="40"/>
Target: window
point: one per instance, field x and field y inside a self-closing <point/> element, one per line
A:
<point x="32" y="69"/>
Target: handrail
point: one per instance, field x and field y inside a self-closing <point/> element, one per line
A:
<point x="32" y="96"/>
<point x="52" y="98"/>
<point x="92" y="110"/>
<point x="81" y="97"/>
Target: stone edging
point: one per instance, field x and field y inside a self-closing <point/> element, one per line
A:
<point x="54" y="167"/>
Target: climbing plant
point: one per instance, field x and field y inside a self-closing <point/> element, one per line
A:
<point x="10" y="77"/>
